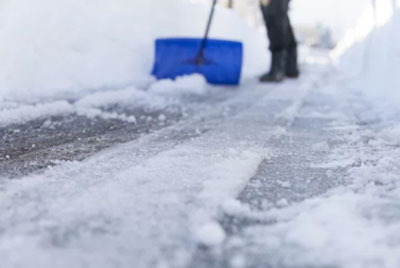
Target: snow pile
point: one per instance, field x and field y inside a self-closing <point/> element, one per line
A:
<point x="187" y="85"/>
<point x="91" y="106"/>
<point x="347" y="229"/>
<point x="58" y="49"/>
<point x="30" y="112"/>
<point x="211" y="234"/>
<point x="160" y="95"/>
<point x="371" y="51"/>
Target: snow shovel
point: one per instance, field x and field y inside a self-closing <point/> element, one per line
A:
<point x="219" y="61"/>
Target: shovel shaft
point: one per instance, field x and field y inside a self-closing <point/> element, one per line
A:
<point x="200" y="56"/>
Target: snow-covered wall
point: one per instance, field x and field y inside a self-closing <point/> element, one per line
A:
<point x="371" y="50"/>
<point x="64" y="48"/>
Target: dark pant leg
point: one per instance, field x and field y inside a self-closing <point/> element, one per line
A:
<point x="292" y="43"/>
<point x="280" y="32"/>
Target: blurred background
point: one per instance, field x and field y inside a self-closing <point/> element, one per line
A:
<point x="68" y="48"/>
<point x="319" y="23"/>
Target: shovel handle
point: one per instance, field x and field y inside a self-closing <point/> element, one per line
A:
<point x="200" y="56"/>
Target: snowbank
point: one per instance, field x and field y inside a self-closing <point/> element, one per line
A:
<point x="371" y="51"/>
<point x="97" y="104"/>
<point x="64" y="48"/>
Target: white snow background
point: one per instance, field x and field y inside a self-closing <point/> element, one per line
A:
<point x="66" y="48"/>
<point x="369" y="54"/>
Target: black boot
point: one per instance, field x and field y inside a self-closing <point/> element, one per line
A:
<point x="278" y="68"/>
<point x="292" y="69"/>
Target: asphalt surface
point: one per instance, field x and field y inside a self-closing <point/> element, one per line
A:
<point x="38" y="144"/>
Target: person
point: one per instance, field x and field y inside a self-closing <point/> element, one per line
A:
<point x="283" y="45"/>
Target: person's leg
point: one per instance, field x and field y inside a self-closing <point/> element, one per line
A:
<point x="275" y="16"/>
<point x="292" y="70"/>
<point x="282" y="40"/>
<point x="276" y="20"/>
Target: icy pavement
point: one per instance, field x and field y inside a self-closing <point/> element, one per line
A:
<point x="327" y="198"/>
<point x="35" y="136"/>
<point x="48" y="141"/>
<point x="303" y="174"/>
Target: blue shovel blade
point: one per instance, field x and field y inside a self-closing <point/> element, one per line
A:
<point x="177" y="56"/>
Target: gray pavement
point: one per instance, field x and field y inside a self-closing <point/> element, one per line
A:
<point x="38" y="144"/>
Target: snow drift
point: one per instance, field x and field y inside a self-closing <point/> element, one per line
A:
<point x="371" y="51"/>
<point x="58" y="49"/>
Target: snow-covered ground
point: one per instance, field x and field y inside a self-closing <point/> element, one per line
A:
<point x="156" y="198"/>
<point x="301" y="174"/>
